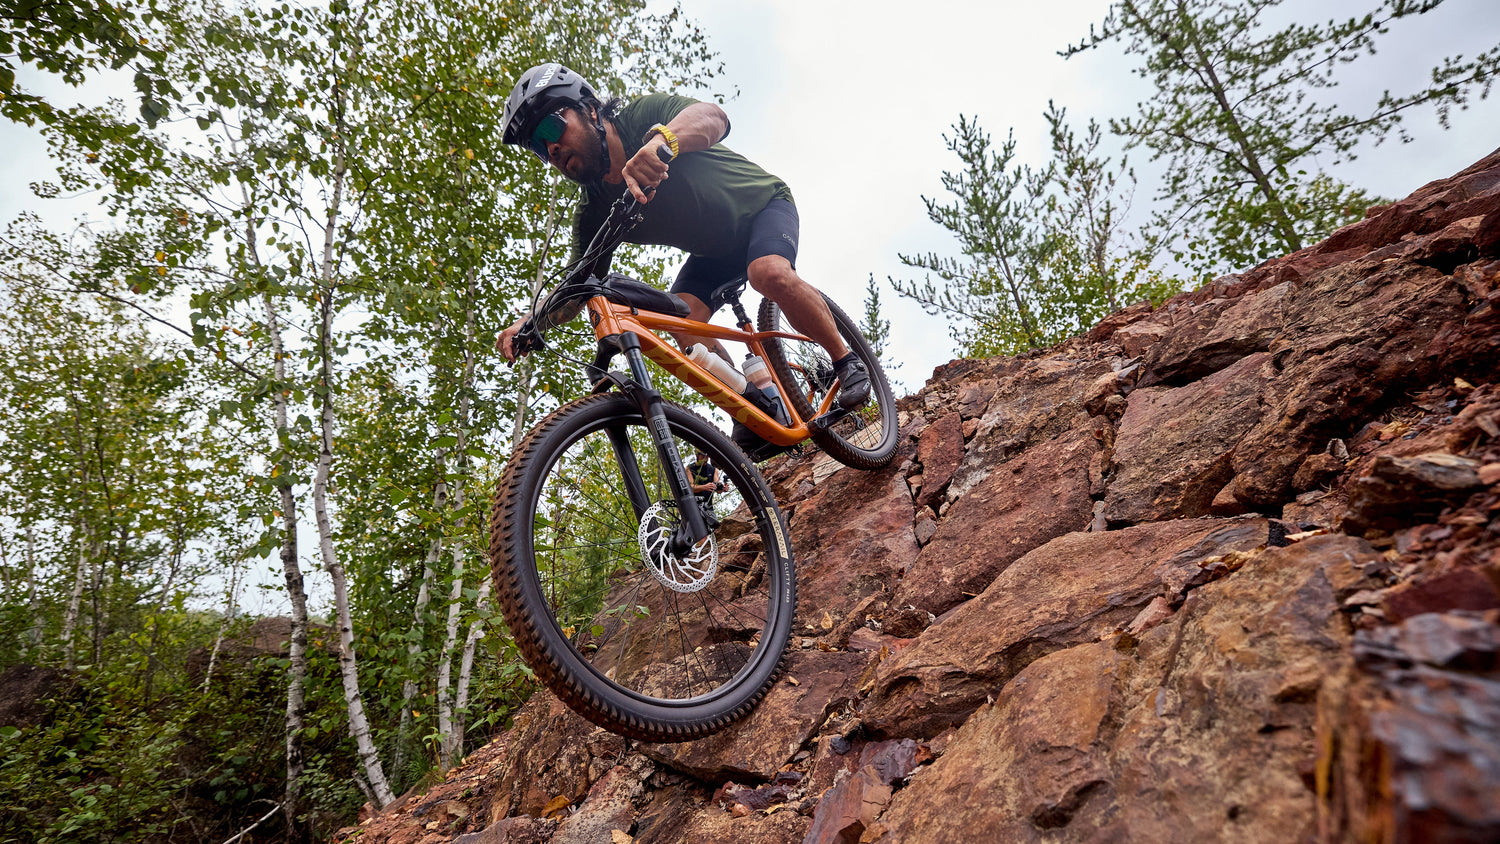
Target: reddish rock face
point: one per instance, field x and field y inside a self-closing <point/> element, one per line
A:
<point x="1034" y="498"/>
<point x="853" y="537"/>
<point x="1071" y="590"/>
<point x="1173" y="445"/>
<point x="1226" y="569"/>
<point x="1193" y="715"/>
<point x="756" y="748"/>
<point x="939" y="450"/>
<point x="1035" y="401"/>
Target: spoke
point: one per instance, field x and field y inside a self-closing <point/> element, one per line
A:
<point x="587" y="545"/>
<point x="586" y="535"/>
<point x="687" y="657"/>
<point x="730" y="612"/>
<point x="625" y="627"/>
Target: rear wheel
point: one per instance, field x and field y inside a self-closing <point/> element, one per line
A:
<point x="646" y="643"/>
<point x="864" y="438"/>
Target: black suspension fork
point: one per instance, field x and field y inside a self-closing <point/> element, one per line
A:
<point x="692" y="528"/>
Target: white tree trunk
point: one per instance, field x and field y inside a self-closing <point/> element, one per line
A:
<point x="101" y="586"/>
<point x="291" y="567"/>
<point x="75" y="602"/>
<point x="445" y="664"/>
<point x="466" y="667"/>
<point x="359" y="725"/>
<point x="296" y="592"/>
<point x="454" y="739"/>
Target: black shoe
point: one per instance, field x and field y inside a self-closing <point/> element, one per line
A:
<point x="854" y="382"/>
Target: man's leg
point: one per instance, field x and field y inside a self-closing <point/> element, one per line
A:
<point x="699" y="312"/>
<point x="695" y="284"/>
<point x="774" y="278"/>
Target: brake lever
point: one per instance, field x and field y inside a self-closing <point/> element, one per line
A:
<point x="528" y="339"/>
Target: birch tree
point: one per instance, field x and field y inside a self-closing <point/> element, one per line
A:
<point x="447" y="277"/>
<point x="342" y="224"/>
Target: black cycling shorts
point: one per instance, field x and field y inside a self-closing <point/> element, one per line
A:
<point x="773" y="232"/>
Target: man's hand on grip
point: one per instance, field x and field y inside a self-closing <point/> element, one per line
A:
<point x="517" y="339"/>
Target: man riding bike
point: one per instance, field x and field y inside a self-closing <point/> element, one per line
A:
<point x="732" y="217"/>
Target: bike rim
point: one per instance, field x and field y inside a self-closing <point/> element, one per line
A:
<point x="655" y="638"/>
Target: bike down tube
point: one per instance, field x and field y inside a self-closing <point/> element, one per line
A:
<point x="618" y="319"/>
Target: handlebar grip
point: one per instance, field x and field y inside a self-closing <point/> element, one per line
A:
<point x="664" y="152"/>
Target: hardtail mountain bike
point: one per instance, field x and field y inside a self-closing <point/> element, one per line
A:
<point x="654" y="612"/>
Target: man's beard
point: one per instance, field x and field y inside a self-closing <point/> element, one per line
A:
<point x="592" y="165"/>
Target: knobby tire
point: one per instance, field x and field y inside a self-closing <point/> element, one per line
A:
<point x="597" y="626"/>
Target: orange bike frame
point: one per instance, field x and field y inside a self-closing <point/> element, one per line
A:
<point x="610" y="319"/>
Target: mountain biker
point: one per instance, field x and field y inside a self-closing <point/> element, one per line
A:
<point x="705" y="477"/>
<point x="732" y="217"/>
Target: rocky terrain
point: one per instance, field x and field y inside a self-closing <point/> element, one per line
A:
<point x="1223" y="570"/>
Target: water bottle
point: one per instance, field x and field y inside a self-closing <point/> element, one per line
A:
<point x="717" y="366"/>
<point x="756" y="370"/>
<point x="759" y="376"/>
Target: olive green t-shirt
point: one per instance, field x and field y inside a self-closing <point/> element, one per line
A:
<point x="706" y="203"/>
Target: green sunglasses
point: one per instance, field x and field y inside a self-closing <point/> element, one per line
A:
<point x="549" y="130"/>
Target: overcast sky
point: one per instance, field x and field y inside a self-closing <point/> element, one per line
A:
<point x="848" y="102"/>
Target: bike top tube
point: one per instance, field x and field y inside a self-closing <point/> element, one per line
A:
<point x="611" y="318"/>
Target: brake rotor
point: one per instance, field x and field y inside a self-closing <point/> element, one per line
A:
<point x="679" y="574"/>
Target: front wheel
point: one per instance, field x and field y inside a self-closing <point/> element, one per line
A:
<point x="864" y="438"/>
<point x="645" y="642"/>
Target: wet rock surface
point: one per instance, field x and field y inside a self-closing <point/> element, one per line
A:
<point x="1227" y="569"/>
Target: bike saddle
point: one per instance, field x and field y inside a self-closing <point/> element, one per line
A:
<point x="637" y="294"/>
<point x="726" y="293"/>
